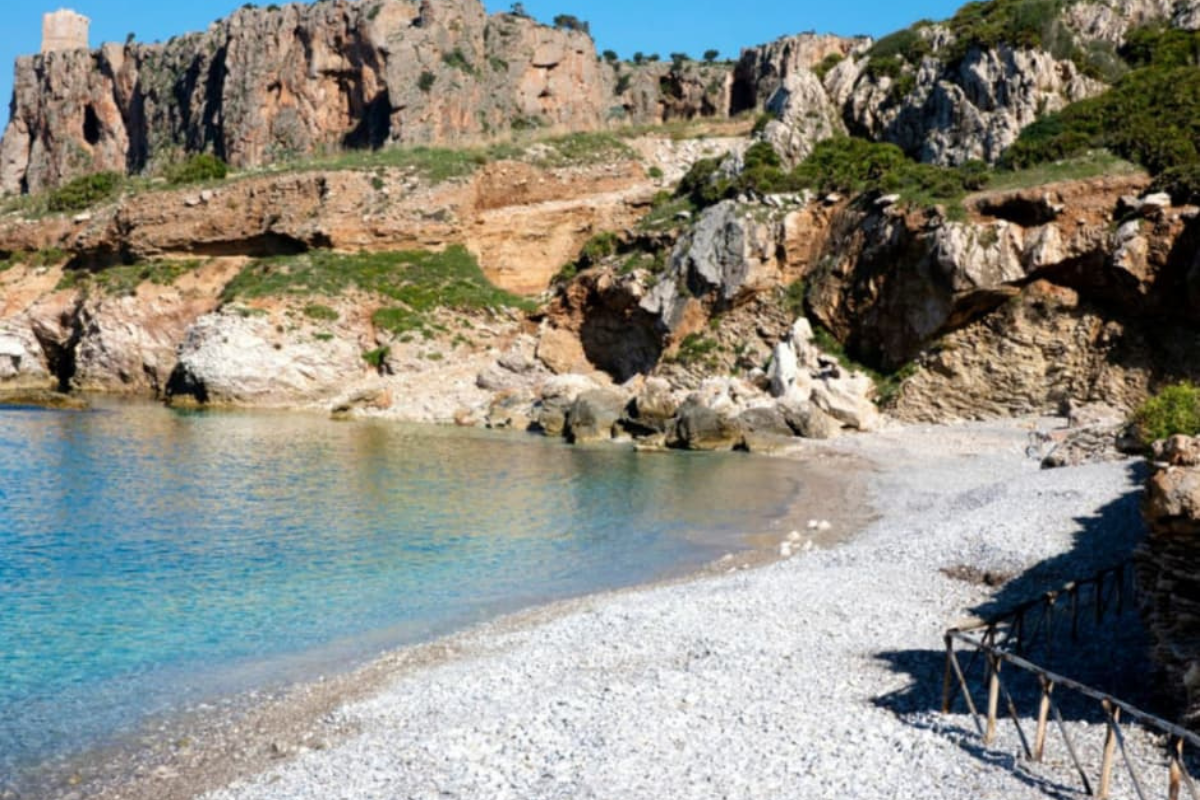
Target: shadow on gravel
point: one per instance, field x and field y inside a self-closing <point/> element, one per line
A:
<point x="1101" y="541"/>
<point x="1112" y="656"/>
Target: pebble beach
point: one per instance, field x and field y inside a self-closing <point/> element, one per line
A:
<point x="816" y="676"/>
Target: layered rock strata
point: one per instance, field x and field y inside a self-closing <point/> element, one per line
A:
<point x="1167" y="576"/>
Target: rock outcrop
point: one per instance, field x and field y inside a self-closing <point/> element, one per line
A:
<point x="523" y="221"/>
<point x="944" y="102"/>
<point x="1168" y="571"/>
<point x="285" y="82"/>
<point x="970" y="110"/>
<point x="282" y="83"/>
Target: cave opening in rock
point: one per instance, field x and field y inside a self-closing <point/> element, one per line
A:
<point x="91" y="126"/>
<point x="374" y="124"/>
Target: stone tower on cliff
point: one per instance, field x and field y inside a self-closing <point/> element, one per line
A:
<point x="64" y="30"/>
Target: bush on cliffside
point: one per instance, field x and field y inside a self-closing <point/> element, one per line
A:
<point x="1174" y="410"/>
<point x="1150" y="116"/>
<point x="845" y="164"/>
<point x="852" y="166"/>
<point x="83" y="192"/>
<point x="196" y="169"/>
<point x="1017" y="23"/>
<point x="1182" y="183"/>
<point x="415" y="283"/>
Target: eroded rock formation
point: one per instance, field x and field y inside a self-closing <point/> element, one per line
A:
<point x="270" y="84"/>
<point x="1167" y="578"/>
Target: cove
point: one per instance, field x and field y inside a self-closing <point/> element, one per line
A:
<point x="153" y="559"/>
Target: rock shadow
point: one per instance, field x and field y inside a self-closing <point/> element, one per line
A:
<point x="1113" y="656"/>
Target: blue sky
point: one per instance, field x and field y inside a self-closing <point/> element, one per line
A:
<point x="652" y="26"/>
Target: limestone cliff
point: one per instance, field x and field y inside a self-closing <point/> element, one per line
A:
<point x="269" y="84"/>
<point x="935" y="91"/>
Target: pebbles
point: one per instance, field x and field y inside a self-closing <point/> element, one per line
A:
<point x="776" y="682"/>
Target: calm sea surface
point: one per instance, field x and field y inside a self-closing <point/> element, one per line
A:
<point x="151" y="559"/>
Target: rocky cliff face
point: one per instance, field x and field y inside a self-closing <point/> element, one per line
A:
<point x="940" y="103"/>
<point x="1075" y="291"/>
<point x="1166" y="571"/>
<point x="275" y="83"/>
<point x="1041" y="298"/>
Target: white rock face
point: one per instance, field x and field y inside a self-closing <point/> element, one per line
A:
<point x="728" y="252"/>
<point x="805" y="115"/>
<point x="974" y="110"/>
<point x="783" y="370"/>
<point x="234" y="359"/>
<point x="846" y="399"/>
<point x="972" y="258"/>
<point x="1111" y="20"/>
<point x="22" y="363"/>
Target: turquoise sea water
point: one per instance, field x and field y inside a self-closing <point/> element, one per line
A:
<point x="152" y="559"/>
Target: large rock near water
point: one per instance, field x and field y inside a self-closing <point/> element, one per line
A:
<point x="230" y="359"/>
<point x="593" y="416"/>
<point x="699" y="427"/>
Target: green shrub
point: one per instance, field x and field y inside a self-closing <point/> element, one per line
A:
<point x="888" y="56"/>
<point x="1174" y="410"/>
<point x="197" y="168"/>
<point x="320" y="313"/>
<point x="703" y="183"/>
<point x="376" y="357"/>
<point x="84" y="192"/>
<point x="793" y="298"/>
<point x="457" y="60"/>
<point x="1017" y="23"/>
<point x="1162" y="46"/>
<point x="600" y="246"/>
<point x="1151" y="117"/>
<point x="827" y="64"/>
<point x="850" y="165"/>
<point x="426" y="80"/>
<point x="416" y="282"/>
<point x="697" y="349"/>
<point x="123" y="280"/>
<point x="845" y="164"/>
<point x="1182" y="183"/>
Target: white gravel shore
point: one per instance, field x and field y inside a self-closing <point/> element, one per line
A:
<point x="768" y="683"/>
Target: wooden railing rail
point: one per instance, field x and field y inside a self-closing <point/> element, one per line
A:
<point x="1005" y="640"/>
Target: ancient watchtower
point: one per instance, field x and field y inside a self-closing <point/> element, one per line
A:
<point x="64" y="30"/>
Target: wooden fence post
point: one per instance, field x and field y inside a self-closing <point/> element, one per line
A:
<point x="1110" y="749"/>
<point x="1039" y="741"/>
<point x="993" y="698"/>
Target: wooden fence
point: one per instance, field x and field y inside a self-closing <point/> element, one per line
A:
<point x="1041" y="625"/>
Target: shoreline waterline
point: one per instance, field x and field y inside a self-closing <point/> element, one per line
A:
<point x="169" y="756"/>
<point x="760" y="683"/>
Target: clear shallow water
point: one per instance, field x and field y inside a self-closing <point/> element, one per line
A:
<point x="151" y="559"/>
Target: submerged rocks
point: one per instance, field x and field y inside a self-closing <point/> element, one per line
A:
<point x="42" y="398"/>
